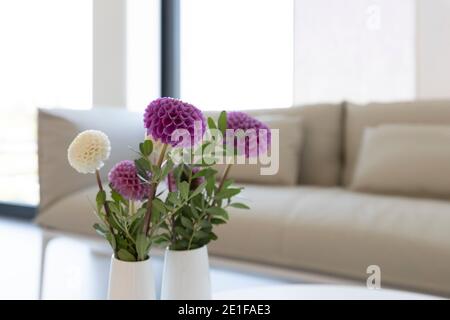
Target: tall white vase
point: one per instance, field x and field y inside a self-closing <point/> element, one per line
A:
<point x="131" y="280"/>
<point x="186" y="275"/>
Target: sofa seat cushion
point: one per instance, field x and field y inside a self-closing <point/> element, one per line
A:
<point x="339" y="232"/>
<point x="73" y="213"/>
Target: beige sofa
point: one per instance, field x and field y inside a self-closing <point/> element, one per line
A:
<point x="317" y="225"/>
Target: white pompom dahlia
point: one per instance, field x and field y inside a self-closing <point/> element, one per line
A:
<point x="88" y="150"/>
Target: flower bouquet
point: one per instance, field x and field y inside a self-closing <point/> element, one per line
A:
<point x="190" y="229"/>
<point x="162" y="198"/>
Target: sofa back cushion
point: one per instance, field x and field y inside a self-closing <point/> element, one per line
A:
<point x="359" y="117"/>
<point x="56" y="130"/>
<point x="412" y="160"/>
<point x="283" y="158"/>
<point x="320" y="162"/>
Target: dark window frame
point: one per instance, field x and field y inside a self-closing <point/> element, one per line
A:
<point x="20" y="211"/>
<point x="170" y="48"/>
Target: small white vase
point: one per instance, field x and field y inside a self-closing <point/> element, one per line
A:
<point x="186" y="275"/>
<point x="131" y="280"/>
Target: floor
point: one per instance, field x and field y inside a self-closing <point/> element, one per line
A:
<point x="73" y="270"/>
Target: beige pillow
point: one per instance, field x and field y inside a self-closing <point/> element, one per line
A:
<point x="405" y="159"/>
<point x="56" y="130"/>
<point x="359" y="117"/>
<point x="290" y="144"/>
<point x="322" y="140"/>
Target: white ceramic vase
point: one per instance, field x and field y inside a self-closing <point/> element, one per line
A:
<point x="186" y="275"/>
<point x="131" y="280"/>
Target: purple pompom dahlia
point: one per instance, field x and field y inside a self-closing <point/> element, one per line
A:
<point x="124" y="179"/>
<point x="172" y="183"/>
<point x="164" y="116"/>
<point x="257" y="134"/>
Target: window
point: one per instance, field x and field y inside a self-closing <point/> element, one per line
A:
<point x="236" y="54"/>
<point x="45" y="60"/>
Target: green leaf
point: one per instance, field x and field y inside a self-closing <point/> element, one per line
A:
<point x="124" y="255"/>
<point x="199" y="189"/>
<point x="212" y="236"/>
<point x="112" y="240"/>
<point x="114" y="208"/>
<point x="156" y="171"/>
<point x="143" y="166"/>
<point x="166" y="169"/>
<point x="182" y="232"/>
<point x="173" y="198"/>
<point x="218" y="221"/>
<point x="117" y="197"/>
<point x="205" y="224"/>
<point x="137" y="225"/>
<point x="239" y="205"/>
<point x="180" y="245"/>
<point x="227" y="193"/>
<point x="101" y="229"/>
<point x="142" y="245"/>
<point x="203" y="173"/>
<point x="194" y="211"/>
<point x="211" y="123"/>
<point x="216" y="211"/>
<point x="100" y="199"/>
<point x="222" y="122"/>
<point x="201" y="234"/>
<point x="159" y="205"/>
<point x="227" y="183"/>
<point x="186" y="223"/>
<point x="210" y="185"/>
<point x="184" y="190"/>
<point x="161" y="239"/>
<point x="146" y="147"/>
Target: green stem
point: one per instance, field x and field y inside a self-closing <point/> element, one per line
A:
<point x="152" y="191"/>
<point x="130" y="209"/>
<point x="192" y="237"/>
<point x="169" y="216"/>
<point x="105" y="205"/>
<point x="222" y="181"/>
<point x="224" y="176"/>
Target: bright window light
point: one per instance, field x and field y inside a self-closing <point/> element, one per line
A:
<point x="237" y="54"/>
<point x="143" y="53"/>
<point x="45" y="60"/>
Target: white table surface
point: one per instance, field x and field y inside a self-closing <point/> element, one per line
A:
<point x="318" y="292"/>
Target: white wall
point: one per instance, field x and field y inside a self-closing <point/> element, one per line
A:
<point x="359" y="50"/>
<point x="433" y="49"/>
<point x="109" y="53"/>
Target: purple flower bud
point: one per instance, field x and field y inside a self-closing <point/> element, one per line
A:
<point x="166" y="115"/>
<point x="257" y="134"/>
<point x="124" y="179"/>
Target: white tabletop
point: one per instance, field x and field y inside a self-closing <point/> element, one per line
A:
<point x="318" y="292"/>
